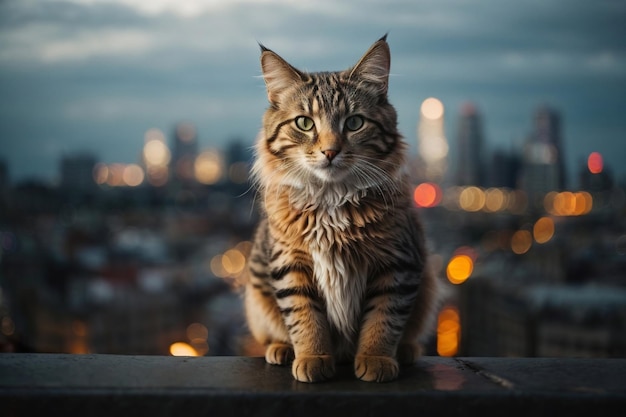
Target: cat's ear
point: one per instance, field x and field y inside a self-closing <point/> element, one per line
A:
<point x="373" y="67"/>
<point x="277" y="73"/>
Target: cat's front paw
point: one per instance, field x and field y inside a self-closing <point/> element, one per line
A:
<point x="279" y="353"/>
<point x="376" y="368"/>
<point x="313" y="368"/>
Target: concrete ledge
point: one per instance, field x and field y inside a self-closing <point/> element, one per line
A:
<point x="110" y="385"/>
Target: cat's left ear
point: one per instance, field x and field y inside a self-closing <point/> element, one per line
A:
<point x="277" y="73"/>
<point x="373" y="67"/>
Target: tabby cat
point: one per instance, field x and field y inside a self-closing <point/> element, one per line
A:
<point x="338" y="267"/>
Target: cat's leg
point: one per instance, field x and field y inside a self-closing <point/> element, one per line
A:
<point x="388" y="305"/>
<point x="303" y="314"/>
<point x="266" y="325"/>
<point x="264" y="319"/>
<point x="421" y="319"/>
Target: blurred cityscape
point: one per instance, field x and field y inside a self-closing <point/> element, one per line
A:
<point x="147" y="258"/>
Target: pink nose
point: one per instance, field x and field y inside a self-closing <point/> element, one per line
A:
<point x="330" y="154"/>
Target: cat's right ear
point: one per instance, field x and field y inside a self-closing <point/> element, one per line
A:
<point x="277" y="73"/>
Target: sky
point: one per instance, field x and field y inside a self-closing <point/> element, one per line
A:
<point x="94" y="75"/>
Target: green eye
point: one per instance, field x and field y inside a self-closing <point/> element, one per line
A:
<point x="354" y="123"/>
<point x="304" y="123"/>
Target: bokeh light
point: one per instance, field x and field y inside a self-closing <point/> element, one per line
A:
<point x="432" y="108"/>
<point x="521" y="241"/>
<point x="208" y="167"/>
<point x="543" y="230"/>
<point x="217" y="266"/>
<point x="472" y="199"/>
<point x="133" y="175"/>
<point x="233" y="261"/>
<point x="448" y="331"/>
<point x="182" y="349"/>
<point x="156" y="152"/>
<point x="595" y="163"/>
<point x="197" y="331"/>
<point x="459" y="268"/>
<point x="495" y="200"/>
<point x="567" y="203"/>
<point x="427" y="195"/>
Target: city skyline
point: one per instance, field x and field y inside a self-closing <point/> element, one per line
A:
<point x="94" y="76"/>
<point x="177" y="156"/>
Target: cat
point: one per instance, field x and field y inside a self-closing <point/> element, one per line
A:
<point x="338" y="269"/>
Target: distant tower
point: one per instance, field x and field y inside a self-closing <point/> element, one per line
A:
<point x="548" y="132"/>
<point x="543" y="166"/>
<point x="504" y="168"/>
<point x="184" y="153"/>
<point x="432" y="143"/>
<point x="470" y="169"/>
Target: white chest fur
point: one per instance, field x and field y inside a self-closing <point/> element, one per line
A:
<point x="343" y="286"/>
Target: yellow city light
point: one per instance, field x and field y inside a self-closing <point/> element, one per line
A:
<point x="448" y="331"/>
<point x="182" y="349"/>
<point x="521" y="241"/>
<point x="459" y="269"/>
<point x="543" y="230"/>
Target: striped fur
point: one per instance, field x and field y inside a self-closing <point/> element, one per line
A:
<point x="338" y="267"/>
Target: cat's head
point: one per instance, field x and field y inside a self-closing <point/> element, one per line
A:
<point x="326" y="128"/>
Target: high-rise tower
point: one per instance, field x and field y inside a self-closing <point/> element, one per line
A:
<point x="184" y="152"/>
<point x="471" y="166"/>
<point x="543" y="166"/>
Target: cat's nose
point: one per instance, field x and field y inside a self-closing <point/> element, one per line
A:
<point x="330" y="154"/>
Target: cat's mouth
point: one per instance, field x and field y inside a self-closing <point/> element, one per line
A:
<point x="330" y="171"/>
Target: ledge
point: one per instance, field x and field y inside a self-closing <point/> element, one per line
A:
<point x="109" y="385"/>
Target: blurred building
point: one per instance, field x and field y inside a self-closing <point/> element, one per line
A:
<point x="4" y="175"/>
<point x="77" y="172"/>
<point x="238" y="160"/>
<point x="470" y="165"/>
<point x="543" y="160"/>
<point x="504" y="169"/>
<point x="542" y="320"/>
<point x="184" y="152"/>
<point x="4" y="188"/>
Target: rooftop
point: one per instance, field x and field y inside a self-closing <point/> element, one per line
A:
<point x="106" y="385"/>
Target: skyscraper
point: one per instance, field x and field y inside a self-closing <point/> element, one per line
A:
<point x="184" y="153"/>
<point x="543" y="166"/>
<point x="470" y="168"/>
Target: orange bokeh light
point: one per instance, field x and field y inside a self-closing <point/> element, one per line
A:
<point x="521" y="241"/>
<point x="567" y="203"/>
<point x="182" y="349"/>
<point x="448" y="331"/>
<point x="459" y="268"/>
<point x="543" y="230"/>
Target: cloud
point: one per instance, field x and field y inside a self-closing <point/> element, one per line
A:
<point x="78" y="65"/>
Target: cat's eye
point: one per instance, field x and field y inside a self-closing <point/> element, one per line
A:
<point x="354" y="123"/>
<point x="304" y="123"/>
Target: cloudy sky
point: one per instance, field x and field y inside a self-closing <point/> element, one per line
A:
<point x="94" y="75"/>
